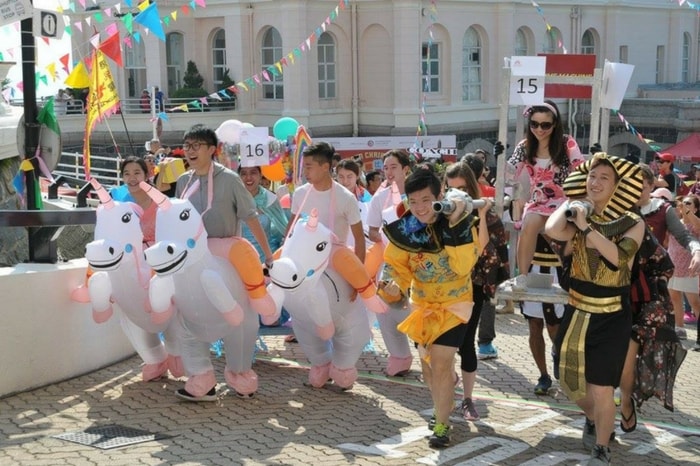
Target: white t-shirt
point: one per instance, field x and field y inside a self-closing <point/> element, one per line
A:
<point x="382" y="210"/>
<point x="337" y="201"/>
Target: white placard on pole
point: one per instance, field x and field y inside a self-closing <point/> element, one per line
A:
<point x="527" y="80"/>
<point x="616" y="78"/>
<point x="254" y="147"/>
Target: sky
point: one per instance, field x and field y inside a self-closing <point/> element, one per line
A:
<point x="10" y="40"/>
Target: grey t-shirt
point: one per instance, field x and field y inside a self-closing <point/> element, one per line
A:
<point x="231" y="201"/>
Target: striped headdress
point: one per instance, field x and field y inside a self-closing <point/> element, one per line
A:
<point x="627" y="193"/>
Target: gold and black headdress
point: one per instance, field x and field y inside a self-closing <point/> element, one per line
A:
<point x="627" y="192"/>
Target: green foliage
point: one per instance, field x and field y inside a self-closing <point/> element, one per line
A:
<point x="192" y="78"/>
<point x="189" y="93"/>
<point x="226" y="80"/>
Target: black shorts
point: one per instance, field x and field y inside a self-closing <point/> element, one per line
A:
<point x="550" y="315"/>
<point x="453" y="337"/>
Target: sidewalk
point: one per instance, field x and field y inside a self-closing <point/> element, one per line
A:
<point x="380" y="421"/>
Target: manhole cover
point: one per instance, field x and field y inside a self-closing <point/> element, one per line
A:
<point x="113" y="436"/>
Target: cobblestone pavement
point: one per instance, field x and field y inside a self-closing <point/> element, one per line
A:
<point x="380" y="421"/>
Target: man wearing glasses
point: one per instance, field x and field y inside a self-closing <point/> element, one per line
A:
<point x="223" y="201"/>
<point x="666" y="178"/>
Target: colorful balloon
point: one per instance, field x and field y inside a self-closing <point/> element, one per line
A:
<point x="274" y="172"/>
<point x="285" y="127"/>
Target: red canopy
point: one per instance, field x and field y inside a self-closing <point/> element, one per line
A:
<point x="688" y="150"/>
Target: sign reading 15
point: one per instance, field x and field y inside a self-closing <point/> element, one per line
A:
<point x="527" y="85"/>
<point x="254" y="147"/>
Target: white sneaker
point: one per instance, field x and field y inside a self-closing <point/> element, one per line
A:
<point x="520" y="283"/>
<point x="682" y="334"/>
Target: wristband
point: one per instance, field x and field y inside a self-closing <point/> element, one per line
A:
<point x="587" y="231"/>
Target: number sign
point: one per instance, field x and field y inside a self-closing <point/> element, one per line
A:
<point x="254" y="147"/>
<point x="527" y="80"/>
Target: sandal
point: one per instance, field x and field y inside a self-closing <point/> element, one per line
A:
<point x="628" y="419"/>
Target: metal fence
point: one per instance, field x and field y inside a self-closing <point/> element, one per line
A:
<point x="104" y="168"/>
<point x="133" y="105"/>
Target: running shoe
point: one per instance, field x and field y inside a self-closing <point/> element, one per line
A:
<point x="544" y="383"/>
<point x="440" y="437"/>
<point x="469" y="410"/>
<point x="487" y="351"/>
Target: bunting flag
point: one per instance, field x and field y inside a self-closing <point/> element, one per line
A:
<point x="78" y="78"/>
<point x="301" y="141"/>
<point x="102" y="101"/>
<point x="549" y="27"/>
<point x="47" y="116"/>
<point x="150" y="19"/>
<point x="112" y="48"/>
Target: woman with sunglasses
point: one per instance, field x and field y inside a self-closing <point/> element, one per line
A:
<point x="543" y="160"/>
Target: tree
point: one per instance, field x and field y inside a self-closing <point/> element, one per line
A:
<point x="193" y="83"/>
<point x="227" y="82"/>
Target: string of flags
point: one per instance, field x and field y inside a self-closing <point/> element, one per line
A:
<point x="432" y="16"/>
<point x="550" y="29"/>
<point x="628" y="126"/>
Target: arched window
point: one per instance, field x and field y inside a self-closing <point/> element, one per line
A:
<point x="685" y="59"/>
<point x="218" y="57"/>
<point x="588" y="43"/>
<point x="271" y="54"/>
<point x="174" y="60"/>
<point x="521" y="48"/>
<point x="430" y="64"/>
<point x="471" y="66"/>
<point x="135" y="69"/>
<point x="326" y="67"/>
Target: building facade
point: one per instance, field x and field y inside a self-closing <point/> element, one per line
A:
<point x="382" y="67"/>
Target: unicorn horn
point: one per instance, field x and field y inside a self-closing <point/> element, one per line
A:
<point x="159" y="198"/>
<point x="312" y="222"/>
<point x="105" y="199"/>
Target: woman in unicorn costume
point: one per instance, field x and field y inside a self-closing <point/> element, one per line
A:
<point x="119" y="274"/>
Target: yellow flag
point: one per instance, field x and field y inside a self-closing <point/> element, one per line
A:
<point x="102" y="100"/>
<point x="78" y="78"/>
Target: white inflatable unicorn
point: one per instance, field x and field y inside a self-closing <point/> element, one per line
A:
<point x="207" y="295"/>
<point x="121" y="276"/>
<point x="329" y="323"/>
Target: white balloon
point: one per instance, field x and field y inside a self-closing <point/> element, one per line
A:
<point x="229" y="131"/>
<point x="247" y="125"/>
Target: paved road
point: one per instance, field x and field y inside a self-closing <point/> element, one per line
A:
<point x="381" y="421"/>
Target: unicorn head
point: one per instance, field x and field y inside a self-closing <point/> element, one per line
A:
<point x="118" y="232"/>
<point x="180" y="234"/>
<point x="305" y="255"/>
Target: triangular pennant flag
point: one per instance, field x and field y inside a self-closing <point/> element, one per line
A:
<point x="95" y="40"/>
<point x="266" y="75"/>
<point x="98" y="18"/>
<point x="163" y="116"/>
<point x="127" y="42"/>
<point x="173" y="15"/>
<point x="112" y="48"/>
<point x="51" y="70"/>
<point x="64" y="61"/>
<point x="88" y="21"/>
<point x="201" y="3"/>
<point x="47" y="116"/>
<point x="108" y="12"/>
<point x="245" y="88"/>
<point x="150" y="19"/>
<point x="216" y="95"/>
<point x="166" y="20"/>
<point x="111" y="29"/>
<point x="128" y="20"/>
<point x="143" y="5"/>
<point x="78" y="25"/>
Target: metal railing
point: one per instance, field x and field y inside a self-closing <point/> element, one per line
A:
<point x="103" y="168"/>
<point x="132" y="106"/>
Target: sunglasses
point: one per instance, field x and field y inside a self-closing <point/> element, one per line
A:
<point x="545" y="125"/>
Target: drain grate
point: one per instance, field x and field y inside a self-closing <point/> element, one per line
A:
<point x="112" y="436"/>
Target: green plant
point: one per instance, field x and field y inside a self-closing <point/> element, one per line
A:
<point x="192" y="78"/>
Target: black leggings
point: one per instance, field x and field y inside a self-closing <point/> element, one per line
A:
<point x="467" y="351"/>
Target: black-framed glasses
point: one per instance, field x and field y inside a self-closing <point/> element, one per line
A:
<point x="545" y="125"/>
<point x="193" y="145"/>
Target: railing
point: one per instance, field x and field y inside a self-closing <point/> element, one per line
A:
<point x="130" y="106"/>
<point x="104" y="169"/>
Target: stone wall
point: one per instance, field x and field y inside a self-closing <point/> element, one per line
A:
<point x="13" y="240"/>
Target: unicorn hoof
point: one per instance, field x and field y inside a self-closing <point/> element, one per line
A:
<point x="154" y="371"/>
<point x="398" y="366"/>
<point x="200" y="385"/>
<point x="375" y="304"/>
<point x="102" y="316"/>
<point x="344" y="378"/>
<point x="319" y="375"/>
<point x="80" y="294"/>
<point x="325" y="332"/>
<point x="245" y="383"/>
<point x="177" y="369"/>
<point x="234" y="317"/>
